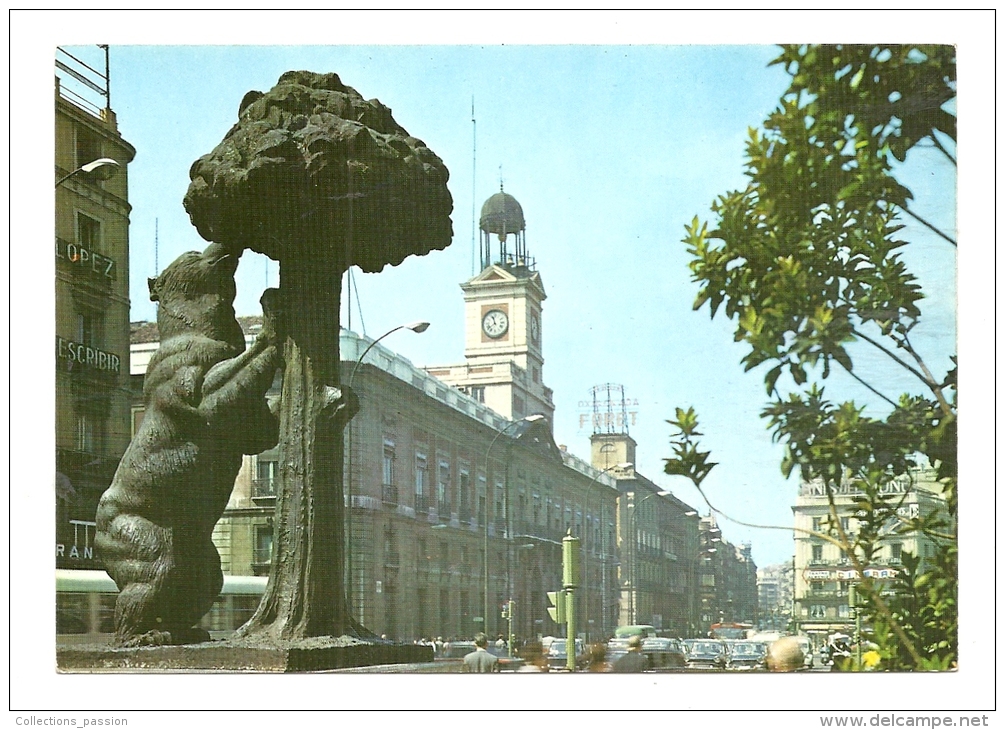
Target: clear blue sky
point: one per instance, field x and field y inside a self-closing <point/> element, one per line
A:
<point x="609" y="149"/>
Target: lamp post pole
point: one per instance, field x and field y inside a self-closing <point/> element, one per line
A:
<point x="588" y="545"/>
<point x="485" y="519"/>
<point x="418" y="328"/>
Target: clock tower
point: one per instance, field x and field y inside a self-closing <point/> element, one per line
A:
<point x="502" y="311"/>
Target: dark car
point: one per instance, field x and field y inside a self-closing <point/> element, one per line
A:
<point x="748" y="655"/>
<point x="664" y="654"/>
<point x="558" y="658"/>
<point x="706" y="654"/>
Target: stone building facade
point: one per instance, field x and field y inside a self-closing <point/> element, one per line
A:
<point x="92" y="308"/>
<point x="727" y="579"/>
<point x="823" y="572"/>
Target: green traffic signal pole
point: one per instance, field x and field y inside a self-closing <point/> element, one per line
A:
<point x="570" y="579"/>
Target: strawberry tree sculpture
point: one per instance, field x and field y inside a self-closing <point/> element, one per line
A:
<point x="318" y="179"/>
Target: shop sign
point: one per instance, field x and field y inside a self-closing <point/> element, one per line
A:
<point x="79" y="256"/>
<point x="818" y="575"/>
<point x="82" y="530"/>
<point x="86" y="355"/>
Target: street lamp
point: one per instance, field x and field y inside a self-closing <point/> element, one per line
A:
<point x="485" y="518"/>
<point x="418" y="328"/>
<point x="100" y="169"/>
<point x="623" y="466"/>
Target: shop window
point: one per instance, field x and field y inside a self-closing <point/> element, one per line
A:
<point x="817" y="611"/>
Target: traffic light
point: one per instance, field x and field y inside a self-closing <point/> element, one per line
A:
<point x="557" y="608"/>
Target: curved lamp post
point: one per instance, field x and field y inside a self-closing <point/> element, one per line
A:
<point x="625" y="465"/>
<point x="418" y="328"/>
<point x="100" y="169"/>
<point x="485" y="527"/>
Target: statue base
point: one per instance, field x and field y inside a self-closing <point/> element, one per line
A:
<point x="316" y="654"/>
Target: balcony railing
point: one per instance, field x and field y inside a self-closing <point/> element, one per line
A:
<point x="389" y="494"/>
<point x="263" y="490"/>
<point x="421" y="504"/>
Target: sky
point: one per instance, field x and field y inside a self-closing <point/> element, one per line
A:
<point x="612" y="136"/>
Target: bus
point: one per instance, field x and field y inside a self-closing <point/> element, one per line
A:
<point x="730" y="631"/>
<point x="85" y="605"/>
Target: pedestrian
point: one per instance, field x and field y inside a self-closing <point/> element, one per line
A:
<point x="438" y="646"/>
<point x="634" y="660"/>
<point x="785" y="655"/>
<point x="500" y="643"/>
<point x="533" y="657"/>
<point x="480" y="661"/>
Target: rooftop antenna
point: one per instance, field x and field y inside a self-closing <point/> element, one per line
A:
<point x="474" y="149"/>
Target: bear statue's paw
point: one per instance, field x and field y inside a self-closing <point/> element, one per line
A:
<point x="339" y="403"/>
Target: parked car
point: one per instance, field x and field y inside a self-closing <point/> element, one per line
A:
<point x="706" y="654"/>
<point x="664" y="653"/>
<point x="748" y="655"/>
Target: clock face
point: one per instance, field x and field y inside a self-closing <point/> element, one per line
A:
<point x="535" y="328"/>
<point x="495" y="323"/>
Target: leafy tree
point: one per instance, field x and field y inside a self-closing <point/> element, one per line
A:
<point x="807" y="261"/>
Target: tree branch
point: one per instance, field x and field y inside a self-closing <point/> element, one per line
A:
<point x="935" y="386"/>
<point x="943" y="150"/>
<point x="860" y="380"/>
<point x="925" y="223"/>
<point x="907" y="366"/>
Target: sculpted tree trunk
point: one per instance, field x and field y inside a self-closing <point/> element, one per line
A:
<point x="319" y="179"/>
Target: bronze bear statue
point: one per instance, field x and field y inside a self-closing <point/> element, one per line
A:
<point x="205" y="407"/>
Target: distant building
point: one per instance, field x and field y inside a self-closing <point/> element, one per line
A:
<point x="823" y="572"/>
<point x="92" y="304"/>
<point x="775" y="586"/>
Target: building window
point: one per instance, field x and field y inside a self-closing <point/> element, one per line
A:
<point x="817" y="611"/>
<point x="535" y="374"/>
<point x="518" y="407"/>
<point x="442" y="491"/>
<point x="263" y="545"/>
<point x="444" y="556"/>
<point x="88" y="232"/>
<point x="464" y="485"/>
<point x="817" y="524"/>
<point x="89" y="436"/>
<point x="421" y="483"/>
<point x="265" y="478"/>
<point x="89" y="326"/>
<point x="846" y="524"/>
<point x="896" y="550"/>
<point x="478" y="393"/>
<point x="388" y="471"/>
<point x="88" y="147"/>
<point x="818" y="553"/>
<point x="137" y="412"/>
<point x="844" y="611"/>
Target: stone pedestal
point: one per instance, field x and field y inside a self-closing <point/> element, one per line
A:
<point x="306" y="655"/>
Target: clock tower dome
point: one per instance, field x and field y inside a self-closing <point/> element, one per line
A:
<point x="502" y="310"/>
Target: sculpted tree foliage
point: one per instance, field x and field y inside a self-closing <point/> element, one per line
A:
<point x="320" y="179"/>
<point x="807" y="260"/>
